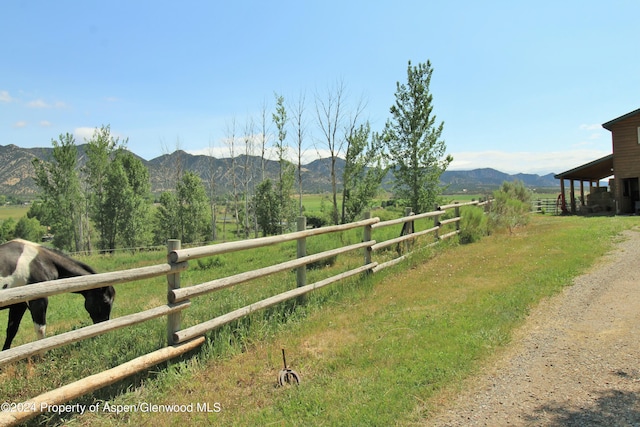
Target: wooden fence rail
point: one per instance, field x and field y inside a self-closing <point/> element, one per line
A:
<point x="178" y="298"/>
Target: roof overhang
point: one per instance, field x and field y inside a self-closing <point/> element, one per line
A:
<point x="592" y="171"/>
<point x="610" y="123"/>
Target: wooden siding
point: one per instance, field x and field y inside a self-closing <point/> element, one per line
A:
<point x="626" y="150"/>
<point x="626" y="159"/>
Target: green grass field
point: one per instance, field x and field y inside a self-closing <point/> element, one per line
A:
<point x="378" y="351"/>
<point x="12" y="211"/>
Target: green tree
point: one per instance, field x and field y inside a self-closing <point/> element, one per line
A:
<point x="135" y="227"/>
<point x="116" y="197"/>
<point x="167" y="224"/>
<point x="192" y="208"/>
<point x="100" y="151"/>
<point x="62" y="197"/>
<point x="286" y="171"/>
<point x="119" y="192"/>
<point x="363" y="172"/>
<point x="7" y="229"/>
<point x="29" y="229"/>
<point x="416" y="151"/>
<point x="267" y="208"/>
<point x="39" y="211"/>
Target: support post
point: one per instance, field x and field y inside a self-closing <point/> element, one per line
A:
<point x="409" y="224"/>
<point x="366" y="237"/>
<point x="436" y="223"/>
<point x="173" y="282"/>
<point x="457" y="214"/>
<point x="301" y="272"/>
<point x="301" y="251"/>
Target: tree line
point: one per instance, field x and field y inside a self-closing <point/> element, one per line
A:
<point x="107" y="203"/>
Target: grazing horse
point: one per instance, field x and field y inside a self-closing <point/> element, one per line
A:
<point x="23" y="263"/>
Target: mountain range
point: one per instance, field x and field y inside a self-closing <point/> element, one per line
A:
<point x="17" y="173"/>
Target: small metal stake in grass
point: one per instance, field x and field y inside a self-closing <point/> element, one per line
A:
<point x="287" y="376"/>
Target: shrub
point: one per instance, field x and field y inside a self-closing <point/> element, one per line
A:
<point x="510" y="206"/>
<point x="317" y="219"/>
<point x="473" y="225"/>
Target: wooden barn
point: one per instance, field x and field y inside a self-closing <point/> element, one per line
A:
<point x="622" y="167"/>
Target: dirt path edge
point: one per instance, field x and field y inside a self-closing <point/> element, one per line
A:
<point x="575" y="362"/>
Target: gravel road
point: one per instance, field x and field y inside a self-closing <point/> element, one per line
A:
<point x="576" y="361"/>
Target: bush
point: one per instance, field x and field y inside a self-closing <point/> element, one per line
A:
<point x="510" y="206"/>
<point x="474" y="224"/>
<point x="317" y="219"/>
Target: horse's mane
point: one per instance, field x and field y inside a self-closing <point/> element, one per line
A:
<point x="67" y="266"/>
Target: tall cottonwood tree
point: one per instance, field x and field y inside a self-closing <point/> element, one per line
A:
<point x="134" y="228"/>
<point x="363" y="171"/>
<point x="59" y="181"/>
<point x="248" y="172"/>
<point x="413" y="139"/>
<point x="329" y="116"/>
<point x="211" y="175"/>
<point x="183" y="215"/>
<point x="300" y="129"/>
<point x="286" y="170"/>
<point x="100" y="150"/>
<point x="192" y="208"/>
<point x="119" y="192"/>
<point x="336" y="121"/>
<point x="232" y="172"/>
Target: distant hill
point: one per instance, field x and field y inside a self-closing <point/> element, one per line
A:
<point x="17" y="174"/>
<point x="487" y="179"/>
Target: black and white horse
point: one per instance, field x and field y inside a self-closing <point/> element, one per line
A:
<point x="23" y="263"/>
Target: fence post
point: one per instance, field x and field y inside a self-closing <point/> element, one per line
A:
<point x="436" y="223"/>
<point x="457" y="214"/>
<point x="366" y="237"/>
<point x="409" y="229"/>
<point x="301" y="251"/>
<point x="173" y="282"/>
<point x="301" y="273"/>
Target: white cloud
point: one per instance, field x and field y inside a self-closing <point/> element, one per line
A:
<point x="525" y="162"/>
<point x="83" y="133"/>
<point x="38" y="103"/>
<point x="45" y="123"/>
<point x="20" y="124"/>
<point x="5" y="97"/>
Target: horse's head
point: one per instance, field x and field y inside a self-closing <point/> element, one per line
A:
<point x="98" y="303"/>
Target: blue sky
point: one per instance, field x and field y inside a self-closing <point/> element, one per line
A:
<point x="522" y="86"/>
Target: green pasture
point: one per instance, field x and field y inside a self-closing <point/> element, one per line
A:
<point x="13" y="211"/>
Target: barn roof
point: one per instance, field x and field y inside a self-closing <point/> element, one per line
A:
<point x="592" y="171"/>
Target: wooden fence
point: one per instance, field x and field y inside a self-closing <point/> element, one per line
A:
<point x="180" y="340"/>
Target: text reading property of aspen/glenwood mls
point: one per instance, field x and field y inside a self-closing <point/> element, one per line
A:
<point x="80" y="408"/>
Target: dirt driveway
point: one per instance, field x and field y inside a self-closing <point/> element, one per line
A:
<point x="576" y="362"/>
